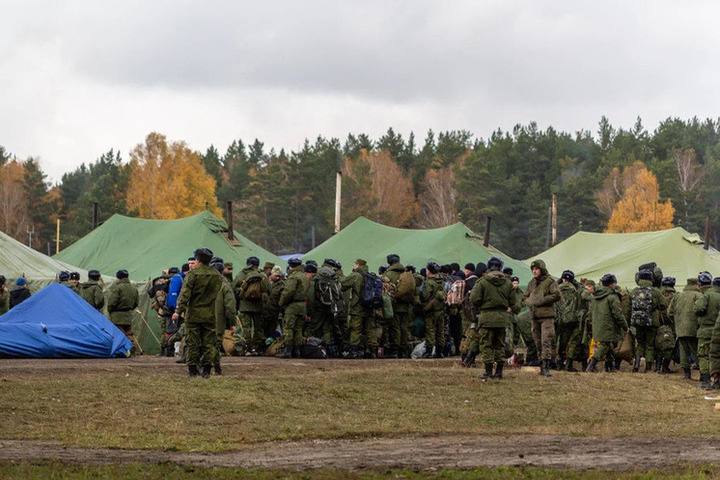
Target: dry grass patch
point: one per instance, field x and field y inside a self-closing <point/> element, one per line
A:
<point x="160" y="408"/>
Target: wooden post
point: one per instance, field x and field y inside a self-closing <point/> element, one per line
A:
<point x="57" y="238"/>
<point x="707" y="233"/>
<point x="554" y="219"/>
<point x="231" y="234"/>
<point x="486" y="240"/>
<point x="338" y="192"/>
<point x="95" y="215"/>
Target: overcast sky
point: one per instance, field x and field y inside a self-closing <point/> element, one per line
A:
<point x="78" y="78"/>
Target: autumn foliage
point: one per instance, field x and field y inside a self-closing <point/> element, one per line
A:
<point x="639" y="209"/>
<point x="168" y="181"/>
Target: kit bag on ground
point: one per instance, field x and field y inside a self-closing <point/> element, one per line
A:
<point x="626" y="349"/>
<point x="641" y="307"/>
<point x="313" y="348"/>
<point x="371" y="292"/>
<point x="405" y="291"/>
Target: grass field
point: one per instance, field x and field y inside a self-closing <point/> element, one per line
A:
<point x="151" y="404"/>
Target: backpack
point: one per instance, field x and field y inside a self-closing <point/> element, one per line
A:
<point x="329" y="289"/>
<point x="664" y="339"/>
<point x="641" y="307"/>
<point x="405" y="291"/>
<point x="251" y="287"/>
<point x="371" y="291"/>
<point x="568" y="305"/>
<point x="313" y="348"/>
<point x="456" y="295"/>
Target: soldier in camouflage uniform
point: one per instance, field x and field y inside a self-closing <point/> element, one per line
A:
<point x="433" y="298"/>
<point x="271" y="309"/>
<point x="665" y="339"/>
<point x="608" y="322"/>
<point x="64" y="280"/>
<point x="399" y="326"/>
<point x="197" y="303"/>
<point x="159" y="294"/>
<point x="707" y="309"/>
<point x="362" y="320"/>
<point x="293" y="300"/>
<point x="641" y="307"/>
<point x="4" y="295"/>
<point x="579" y="347"/>
<point x="122" y="300"/>
<point x="682" y="313"/>
<point x="541" y="295"/>
<point x="251" y="309"/>
<point x="496" y="301"/>
<point x="75" y="282"/>
<point x="567" y="316"/>
<point x="92" y="291"/>
<point x="225" y="309"/>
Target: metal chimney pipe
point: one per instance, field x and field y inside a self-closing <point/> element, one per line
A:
<point x="95" y="215"/>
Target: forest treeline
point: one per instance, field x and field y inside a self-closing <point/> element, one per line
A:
<point x="614" y="179"/>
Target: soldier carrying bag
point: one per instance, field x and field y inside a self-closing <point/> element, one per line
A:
<point x="405" y="291"/>
<point x="641" y="307"/>
<point x="250" y="288"/>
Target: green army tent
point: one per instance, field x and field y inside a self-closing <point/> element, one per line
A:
<point x="677" y="252"/>
<point x="147" y="247"/>
<point x="19" y="260"/>
<point x="372" y="241"/>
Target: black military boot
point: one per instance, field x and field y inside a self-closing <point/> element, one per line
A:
<point x="636" y="365"/>
<point x="704" y="381"/>
<point x="610" y="363"/>
<point x="181" y="359"/>
<point x="618" y="361"/>
<point x="648" y="366"/>
<point x="163" y="352"/>
<point x="584" y="364"/>
<point x="193" y="371"/>
<point x="488" y="372"/>
<point x="498" y="371"/>
<point x="569" y="367"/>
<point x="686" y="373"/>
<point x="469" y="360"/>
<point x="545" y="368"/>
<point x="218" y="370"/>
<point x="206" y="371"/>
<point x="592" y="366"/>
<point x="658" y="364"/>
<point x="439" y="351"/>
<point x="560" y="364"/>
<point x="170" y="351"/>
<point x="666" y="366"/>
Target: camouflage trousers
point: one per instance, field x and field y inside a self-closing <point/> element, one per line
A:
<point x="434" y="329"/>
<point x="127" y="330"/>
<point x="293" y="329"/>
<point x="163" y="330"/>
<point x="254" y="322"/>
<point x="523" y="330"/>
<point x="543" y="330"/>
<point x="563" y="334"/>
<point x="405" y="321"/>
<point x="200" y="343"/>
<point x="492" y="344"/>
<point x="688" y="346"/>
<point x="703" y="354"/>
<point x="576" y="349"/>
<point x="363" y="329"/>
<point x="645" y="343"/>
<point x="321" y="326"/>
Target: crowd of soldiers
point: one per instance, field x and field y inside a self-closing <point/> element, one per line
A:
<point x="477" y="312"/>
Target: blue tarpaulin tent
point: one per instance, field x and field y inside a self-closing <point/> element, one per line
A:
<point x="57" y="323"/>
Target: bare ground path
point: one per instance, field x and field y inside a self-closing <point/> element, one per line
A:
<point x="462" y="452"/>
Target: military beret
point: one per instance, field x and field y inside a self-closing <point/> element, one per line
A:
<point x="64" y="276"/>
<point x="705" y="278"/>
<point x="94" y="275"/>
<point x="361" y="262"/>
<point x="203" y="255"/>
<point x="393" y="258"/>
<point x="310" y="268"/>
<point x="668" y="282"/>
<point x="268" y="265"/>
<point x="608" y="279"/>
<point x="253" y="261"/>
<point x="433" y="267"/>
<point x="122" y="274"/>
<point x="294" y="262"/>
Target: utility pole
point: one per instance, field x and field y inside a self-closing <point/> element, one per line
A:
<point x="338" y="191"/>
<point x="554" y="219"/>
<point x="57" y="238"/>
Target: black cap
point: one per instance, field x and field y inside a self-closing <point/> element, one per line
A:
<point x="648" y="275"/>
<point x="122" y="274"/>
<point x="514" y="279"/>
<point x="294" y="262"/>
<point x="331" y="262"/>
<point x="705" y="278"/>
<point x="203" y="255"/>
<point x="608" y="279"/>
<point x="568" y="275"/>
<point x="382" y="269"/>
<point x="173" y="271"/>
<point x="495" y="263"/>
<point x="668" y="282"/>
<point x="311" y="262"/>
<point x="470" y="266"/>
<point x="252" y="261"/>
<point x="455" y="266"/>
<point x="64" y="276"/>
<point x="433" y="267"/>
<point x="217" y="260"/>
<point x="310" y="268"/>
<point x="393" y="258"/>
<point x="410" y="268"/>
<point x="480" y="268"/>
<point x="508" y="271"/>
<point x="94" y="275"/>
<point x="74" y="275"/>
